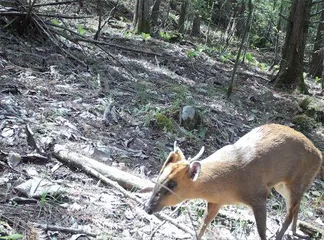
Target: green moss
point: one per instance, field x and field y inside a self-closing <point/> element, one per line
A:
<point x="303" y="122"/>
<point x="316" y="110"/>
<point x="163" y="122"/>
<point x="304" y="103"/>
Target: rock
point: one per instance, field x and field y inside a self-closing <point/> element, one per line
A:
<point x="313" y="107"/>
<point x="13" y="159"/>
<point x="190" y="118"/>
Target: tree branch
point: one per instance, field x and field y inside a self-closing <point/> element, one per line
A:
<point x="47" y="227"/>
<point x="60" y="151"/>
<point x="14" y="13"/>
<point x="55" y="3"/>
<point x="83" y="39"/>
<point x="284" y="17"/>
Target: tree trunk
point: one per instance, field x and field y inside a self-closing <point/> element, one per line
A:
<point x="195" y="31"/>
<point x="290" y="75"/>
<point x="247" y="26"/>
<point x="136" y="13"/>
<point x="173" y="5"/>
<point x="141" y="20"/>
<point x="322" y="84"/>
<point x="275" y="60"/>
<point x="99" y="12"/>
<point x="230" y="31"/>
<point x="183" y="14"/>
<point x="316" y="66"/>
<point x="222" y="12"/>
<point x="248" y="30"/>
<point x="155" y="12"/>
<point x="209" y="21"/>
<point x="240" y="21"/>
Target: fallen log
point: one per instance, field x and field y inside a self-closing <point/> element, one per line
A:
<point x="126" y="180"/>
<point x="310" y="229"/>
<point x="69" y="157"/>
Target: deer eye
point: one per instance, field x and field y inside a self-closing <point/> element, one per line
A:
<point x="171" y="185"/>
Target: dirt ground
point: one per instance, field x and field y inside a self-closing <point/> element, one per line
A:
<point x="63" y="101"/>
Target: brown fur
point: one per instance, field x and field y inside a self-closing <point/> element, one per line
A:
<point x="269" y="156"/>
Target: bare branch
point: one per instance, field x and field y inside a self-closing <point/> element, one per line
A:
<point x="73" y="230"/>
<point x="83" y="39"/>
<point x="16" y="13"/>
<point x="55" y="3"/>
<point x="53" y="39"/>
<point x="284" y="17"/>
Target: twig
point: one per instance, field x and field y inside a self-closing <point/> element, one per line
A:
<point x="80" y="38"/>
<point x="253" y="75"/>
<point x="171" y="220"/>
<point x="109" y="54"/>
<point x="131" y="196"/>
<point x="155" y="229"/>
<point x="284" y="17"/>
<point x="111" y="13"/>
<point x="63" y="28"/>
<point x="160" y="225"/>
<point x="46" y="227"/>
<point x="74" y="57"/>
<point x="14" y="13"/>
<point x="126" y="193"/>
<point x="30" y="9"/>
<point x="55" y="3"/>
<point x="52" y="38"/>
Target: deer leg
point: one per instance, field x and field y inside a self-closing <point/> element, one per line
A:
<point x="211" y="211"/>
<point x="292" y="204"/>
<point x="260" y="215"/>
<point x="294" y="223"/>
<point x="293" y="209"/>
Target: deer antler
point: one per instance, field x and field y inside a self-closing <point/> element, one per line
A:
<point x="198" y="155"/>
<point x="175" y="147"/>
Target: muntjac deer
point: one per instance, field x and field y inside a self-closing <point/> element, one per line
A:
<point x="268" y="156"/>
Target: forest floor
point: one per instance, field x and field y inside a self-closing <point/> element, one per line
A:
<point x="141" y="79"/>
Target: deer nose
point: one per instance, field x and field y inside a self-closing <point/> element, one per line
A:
<point x="149" y="211"/>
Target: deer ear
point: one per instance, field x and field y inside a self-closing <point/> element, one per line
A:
<point x="179" y="153"/>
<point x="172" y="158"/>
<point x="194" y="170"/>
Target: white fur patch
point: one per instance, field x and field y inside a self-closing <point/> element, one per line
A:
<point x="248" y="142"/>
